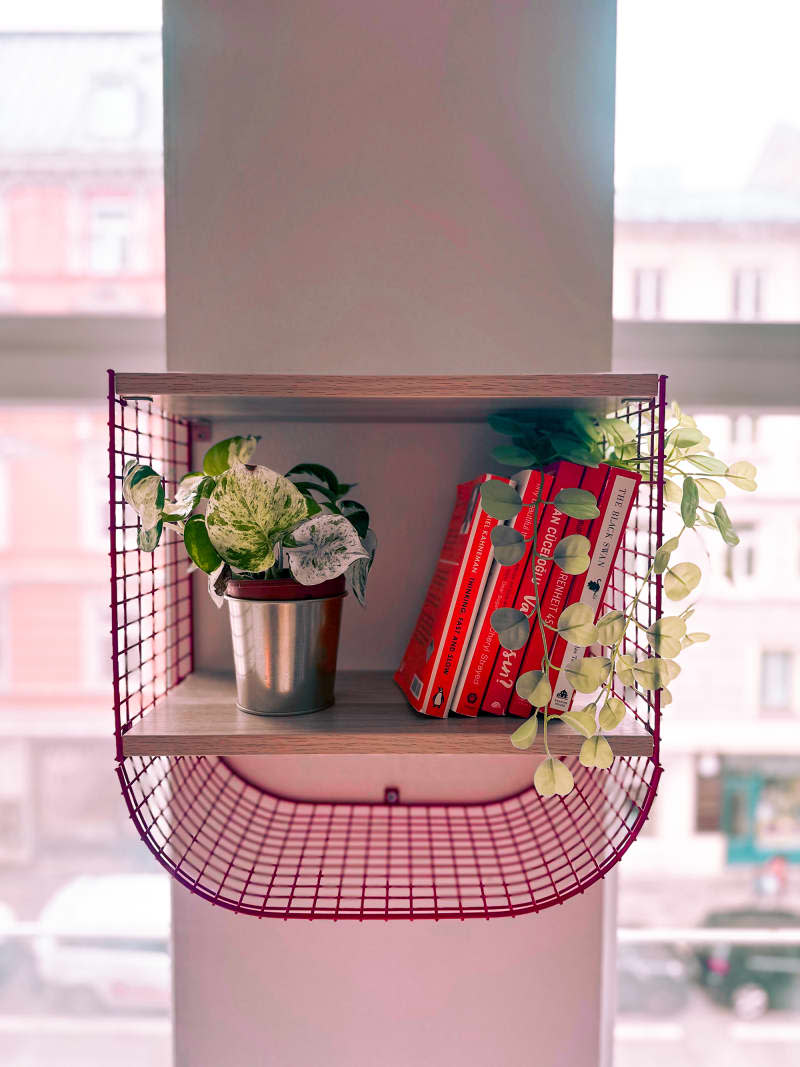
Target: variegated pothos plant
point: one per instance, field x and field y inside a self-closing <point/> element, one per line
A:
<point x="245" y="520"/>
<point x="694" y="489"/>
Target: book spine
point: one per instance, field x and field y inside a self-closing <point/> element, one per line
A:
<point x="467" y="593"/>
<point x="557" y="596"/>
<point x="615" y="506"/>
<point x="501" y="590"/>
<point x="508" y="662"/>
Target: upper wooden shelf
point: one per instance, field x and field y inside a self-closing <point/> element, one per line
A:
<point x="375" y="398"/>
<point x="199" y="717"/>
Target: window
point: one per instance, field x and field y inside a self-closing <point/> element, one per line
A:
<point x="776" y="680"/>
<point x="647" y="293"/>
<point x="740" y="562"/>
<point x="708" y="794"/>
<point x="746" y="296"/>
<point x="110" y="237"/>
<point x="113" y="111"/>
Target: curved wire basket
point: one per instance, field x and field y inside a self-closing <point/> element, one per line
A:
<point x="257" y="853"/>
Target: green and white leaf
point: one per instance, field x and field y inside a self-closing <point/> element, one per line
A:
<point x="323" y="548"/>
<point x="147" y="540"/>
<point x="680" y="580"/>
<point x="656" y="672"/>
<point x="500" y="500"/>
<point x="576" y="624"/>
<point x="509" y="545"/>
<point x="724" y="525"/>
<point x="583" y="721"/>
<point x="596" y="752"/>
<point x="553" y="778"/>
<point x="224" y="454"/>
<point x="572" y="554"/>
<point x="143" y="490"/>
<point x="611" y="627"/>
<point x="534" y="687"/>
<point x="612" y="713"/>
<point x="248" y="511"/>
<point x="511" y="626"/>
<point x="577" y="503"/>
<point x="524" y="736"/>
<point x="356" y="574"/>
<point x="589" y="673"/>
<point x="742" y="475"/>
<point x="191" y="490"/>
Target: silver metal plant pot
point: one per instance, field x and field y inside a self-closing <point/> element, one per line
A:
<point x="285" y="642"/>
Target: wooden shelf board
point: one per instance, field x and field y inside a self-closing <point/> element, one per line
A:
<point x="200" y="717"/>
<point x="371" y="398"/>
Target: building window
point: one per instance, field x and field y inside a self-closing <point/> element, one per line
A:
<point x="776" y="680"/>
<point x="746" y="296"/>
<point x="740" y="561"/>
<point x="648" y="287"/>
<point x="708" y="794"/>
<point x="110" y="237"/>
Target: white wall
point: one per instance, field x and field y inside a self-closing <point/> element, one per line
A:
<point x="388" y="187"/>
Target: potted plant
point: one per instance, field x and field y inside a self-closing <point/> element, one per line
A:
<point x="283" y="550"/>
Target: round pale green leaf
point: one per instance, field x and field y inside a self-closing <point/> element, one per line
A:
<point x="248" y="511"/>
<point x="509" y="545"/>
<point x="611" y="714"/>
<point x="666" y="698"/>
<point x="724" y="525"/>
<point x="661" y="562"/>
<point x="610" y="628"/>
<point x="322" y="548"/>
<point x="742" y="474"/>
<point x="221" y="456"/>
<point x="553" y="778"/>
<point x="672" y="492"/>
<point x="624" y="669"/>
<point x="689" y="501"/>
<point x="710" y="491"/>
<point x="596" y="752"/>
<point x="619" y="432"/>
<point x="707" y="464"/>
<point x="511" y="626"/>
<point x="576" y="624"/>
<point x="655" y="672"/>
<point x="665" y="635"/>
<point x="683" y="437"/>
<point x="680" y="580"/>
<point x="588" y="673"/>
<point x="572" y="554"/>
<point x="577" y="503"/>
<point x="525" y="735"/>
<point x="583" y="721"/>
<point x="198" y="544"/>
<point x="513" y="456"/>
<point x="534" y="687"/>
<point x="697" y="638"/>
<point x="500" y="500"/>
<point x="503" y="423"/>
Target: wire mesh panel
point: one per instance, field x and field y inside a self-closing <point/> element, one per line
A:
<point x="257" y="853"/>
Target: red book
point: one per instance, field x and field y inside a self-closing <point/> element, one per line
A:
<point x="435" y="652"/>
<point x="615" y="503"/>
<point x="551" y="529"/>
<point x="501" y="590"/>
<point x="556" y="595"/>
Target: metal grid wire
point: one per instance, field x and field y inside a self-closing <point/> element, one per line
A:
<point x="257" y="853"/>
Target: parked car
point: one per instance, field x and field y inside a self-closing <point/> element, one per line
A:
<point x="652" y="979"/>
<point x="104" y="944"/>
<point x="752" y="978"/>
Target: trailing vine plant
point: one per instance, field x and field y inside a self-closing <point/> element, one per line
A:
<point x="694" y="488"/>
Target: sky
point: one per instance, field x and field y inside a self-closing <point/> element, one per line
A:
<point x="700" y="83"/>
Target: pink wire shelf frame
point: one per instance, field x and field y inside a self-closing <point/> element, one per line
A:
<point x="257" y="853"/>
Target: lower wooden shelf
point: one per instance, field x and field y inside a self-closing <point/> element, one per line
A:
<point x="199" y="717"/>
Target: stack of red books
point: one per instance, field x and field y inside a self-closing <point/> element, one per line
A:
<point x="454" y="661"/>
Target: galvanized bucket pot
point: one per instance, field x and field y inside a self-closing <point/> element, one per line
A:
<point x="285" y="642"/>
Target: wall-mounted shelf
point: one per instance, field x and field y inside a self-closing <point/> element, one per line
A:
<point x="257" y="853"/>
<point x="199" y="718"/>
<point x="376" y="398"/>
